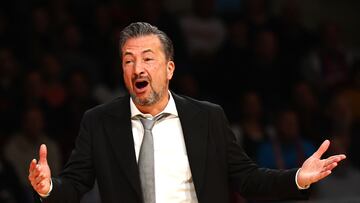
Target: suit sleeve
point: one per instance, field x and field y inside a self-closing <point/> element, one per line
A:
<point x="78" y="175"/>
<point x="253" y="182"/>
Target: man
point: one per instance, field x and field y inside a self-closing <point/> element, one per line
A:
<point x="195" y="156"/>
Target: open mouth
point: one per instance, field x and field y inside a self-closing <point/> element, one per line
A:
<point x="141" y="84"/>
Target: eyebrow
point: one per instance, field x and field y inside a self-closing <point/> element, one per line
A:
<point x="128" y="53"/>
<point x="143" y="52"/>
<point x="147" y="50"/>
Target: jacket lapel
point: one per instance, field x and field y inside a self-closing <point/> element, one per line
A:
<point x="118" y="129"/>
<point x="194" y="122"/>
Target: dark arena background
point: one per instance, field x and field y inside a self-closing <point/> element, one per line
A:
<point x="286" y="72"/>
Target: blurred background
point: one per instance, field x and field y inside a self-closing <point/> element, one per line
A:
<point x="286" y="72"/>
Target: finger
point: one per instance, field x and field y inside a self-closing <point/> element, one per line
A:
<point x="41" y="185"/>
<point x="331" y="160"/>
<point x="36" y="171"/>
<point x="341" y="156"/>
<point x="32" y="165"/>
<point x="323" y="175"/>
<point x="322" y="149"/>
<point x="331" y="166"/>
<point x="43" y="154"/>
<point x="40" y="177"/>
<point x="335" y="158"/>
<point x="39" y="182"/>
<point x="35" y="179"/>
<point x="32" y="180"/>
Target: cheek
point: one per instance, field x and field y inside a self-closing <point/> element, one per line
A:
<point x="127" y="78"/>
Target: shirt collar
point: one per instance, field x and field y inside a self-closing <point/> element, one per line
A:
<point x="170" y="108"/>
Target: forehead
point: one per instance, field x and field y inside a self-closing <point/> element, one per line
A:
<point x="140" y="44"/>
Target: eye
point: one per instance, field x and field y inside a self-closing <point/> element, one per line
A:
<point x="148" y="59"/>
<point x="127" y="62"/>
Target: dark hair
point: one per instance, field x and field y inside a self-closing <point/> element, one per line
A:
<point x="139" y="29"/>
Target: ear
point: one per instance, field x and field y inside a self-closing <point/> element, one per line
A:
<point x="170" y="67"/>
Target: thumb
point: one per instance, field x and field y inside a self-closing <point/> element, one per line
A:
<point x="43" y="155"/>
<point x="322" y="149"/>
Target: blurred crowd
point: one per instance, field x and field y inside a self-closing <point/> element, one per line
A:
<point x="284" y="87"/>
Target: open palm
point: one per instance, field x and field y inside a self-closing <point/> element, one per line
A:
<point x="315" y="168"/>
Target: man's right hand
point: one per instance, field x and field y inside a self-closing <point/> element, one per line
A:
<point x="39" y="173"/>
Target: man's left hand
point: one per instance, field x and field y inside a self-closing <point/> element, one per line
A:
<point x="315" y="168"/>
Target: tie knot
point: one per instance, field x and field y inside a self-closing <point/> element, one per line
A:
<point x="148" y="124"/>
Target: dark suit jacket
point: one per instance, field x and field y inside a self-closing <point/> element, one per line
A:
<point x="105" y="150"/>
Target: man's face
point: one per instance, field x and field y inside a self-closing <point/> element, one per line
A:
<point x="146" y="69"/>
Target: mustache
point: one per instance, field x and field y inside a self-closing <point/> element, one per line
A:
<point x="140" y="77"/>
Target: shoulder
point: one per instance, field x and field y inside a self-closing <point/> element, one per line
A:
<point x="201" y="104"/>
<point x="117" y="104"/>
<point x="190" y="107"/>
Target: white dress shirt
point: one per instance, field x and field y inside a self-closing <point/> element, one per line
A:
<point x="173" y="179"/>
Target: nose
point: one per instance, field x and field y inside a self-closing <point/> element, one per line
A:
<point x="139" y="68"/>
